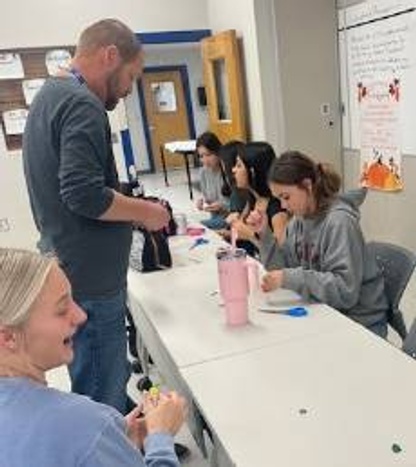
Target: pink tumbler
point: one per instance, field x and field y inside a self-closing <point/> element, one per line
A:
<point x="233" y="282"/>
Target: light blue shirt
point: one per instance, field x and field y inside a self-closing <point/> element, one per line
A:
<point x="43" y="427"/>
<point x="211" y="186"/>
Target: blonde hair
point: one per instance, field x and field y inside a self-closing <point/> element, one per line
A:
<point x="22" y="276"/>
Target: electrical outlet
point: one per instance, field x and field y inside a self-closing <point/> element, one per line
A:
<point x="4" y="225"/>
<point x="325" y="109"/>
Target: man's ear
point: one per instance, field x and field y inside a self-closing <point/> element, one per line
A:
<point x="112" y="56"/>
<point x="8" y="338"/>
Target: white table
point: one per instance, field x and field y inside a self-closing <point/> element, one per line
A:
<point x="248" y="384"/>
<point x="338" y="399"/>
<point x="184" y="308"/>
<point x="186" y="148"/>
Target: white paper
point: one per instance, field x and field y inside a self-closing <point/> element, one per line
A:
<point x="11" y="66"/>
<point x="30" y="88"/>
<point x="15" y="121"/>
<point x="57" y="60"/>
<point x="164" y="96"/>
<point x="281" y="300"/>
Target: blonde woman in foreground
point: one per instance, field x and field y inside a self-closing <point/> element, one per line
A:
<point x="40" y="426"/>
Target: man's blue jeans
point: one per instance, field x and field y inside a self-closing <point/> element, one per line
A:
<point x="100" y="368"/>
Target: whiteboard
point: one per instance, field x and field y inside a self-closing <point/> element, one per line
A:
<point x="377" y="40"/>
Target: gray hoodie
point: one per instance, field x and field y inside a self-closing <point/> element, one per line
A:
<point x="325" y="259"/>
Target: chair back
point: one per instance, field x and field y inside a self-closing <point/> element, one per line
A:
<point x="397" y="265"/>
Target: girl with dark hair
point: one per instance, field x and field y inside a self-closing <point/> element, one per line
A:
<point x="324" y="256"/>
<point x="261" y="212"/>
<point x="212" y="180"/>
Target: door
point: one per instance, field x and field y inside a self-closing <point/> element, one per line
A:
<point x="224" y="86"/>
<point x="166" y="112"/>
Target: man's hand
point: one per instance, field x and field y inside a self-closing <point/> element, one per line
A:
<point x="157" y="217"/>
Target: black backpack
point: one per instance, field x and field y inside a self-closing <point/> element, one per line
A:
<point x="155" y="254"/>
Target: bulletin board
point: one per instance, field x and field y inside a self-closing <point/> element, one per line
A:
<point x="19" y="80"/>
<point x="377" y="41"/>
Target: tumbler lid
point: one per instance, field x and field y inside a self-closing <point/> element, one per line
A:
<point x="228" y="253"/>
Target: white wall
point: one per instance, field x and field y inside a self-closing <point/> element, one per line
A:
<point x="308" y="68"/>
<point x="271" y="85"/>
<point x="135" y="122"/>
<point x="28" y="23"/>
<point x="14" y="204"/>
<point x="59" y="22"/>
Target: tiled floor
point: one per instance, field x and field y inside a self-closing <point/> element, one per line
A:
<point x="177" y="194"/>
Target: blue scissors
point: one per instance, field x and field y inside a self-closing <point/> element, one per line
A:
<point x="294" y="312"/>
<point x="198" y="242"/>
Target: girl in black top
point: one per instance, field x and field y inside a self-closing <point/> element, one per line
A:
<point x="258" y="210"/>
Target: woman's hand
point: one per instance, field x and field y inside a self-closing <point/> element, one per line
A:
<point x="167" y="415"/>
<point x="200" y="204"/>
<point x="232" y="217"/>
<point x="213" y="207"/>
<point x="257" y="220"/>
<point x="244" y="231"/>
<point x="224" y="234"/>
<point x="136" y="426"/>
<point x="272" y="280"/>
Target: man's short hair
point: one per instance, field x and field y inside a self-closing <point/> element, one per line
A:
<point x="109" y="32"/>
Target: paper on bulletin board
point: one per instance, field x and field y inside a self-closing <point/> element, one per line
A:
<point x="30" y="88"/>
<point x="380" y="137"/>
<point x="11" y="66"/>
<point x="57" y="60"/>
<point x="15" y="121"/>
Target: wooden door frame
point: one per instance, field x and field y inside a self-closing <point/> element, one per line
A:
<point x="183" y="71"/>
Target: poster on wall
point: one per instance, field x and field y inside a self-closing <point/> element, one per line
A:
<point x="30" y="88"/>
<point x="11" y="66"/>
<point x="57" y="60"/>
<point x="379" y="40"/>
<point x="15" y="121"/>
<point x="380" y="141"/>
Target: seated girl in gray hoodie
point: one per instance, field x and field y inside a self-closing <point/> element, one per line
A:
<point x="324" y="256"/>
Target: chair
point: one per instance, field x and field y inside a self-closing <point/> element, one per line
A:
<point x="397" y="265"/>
